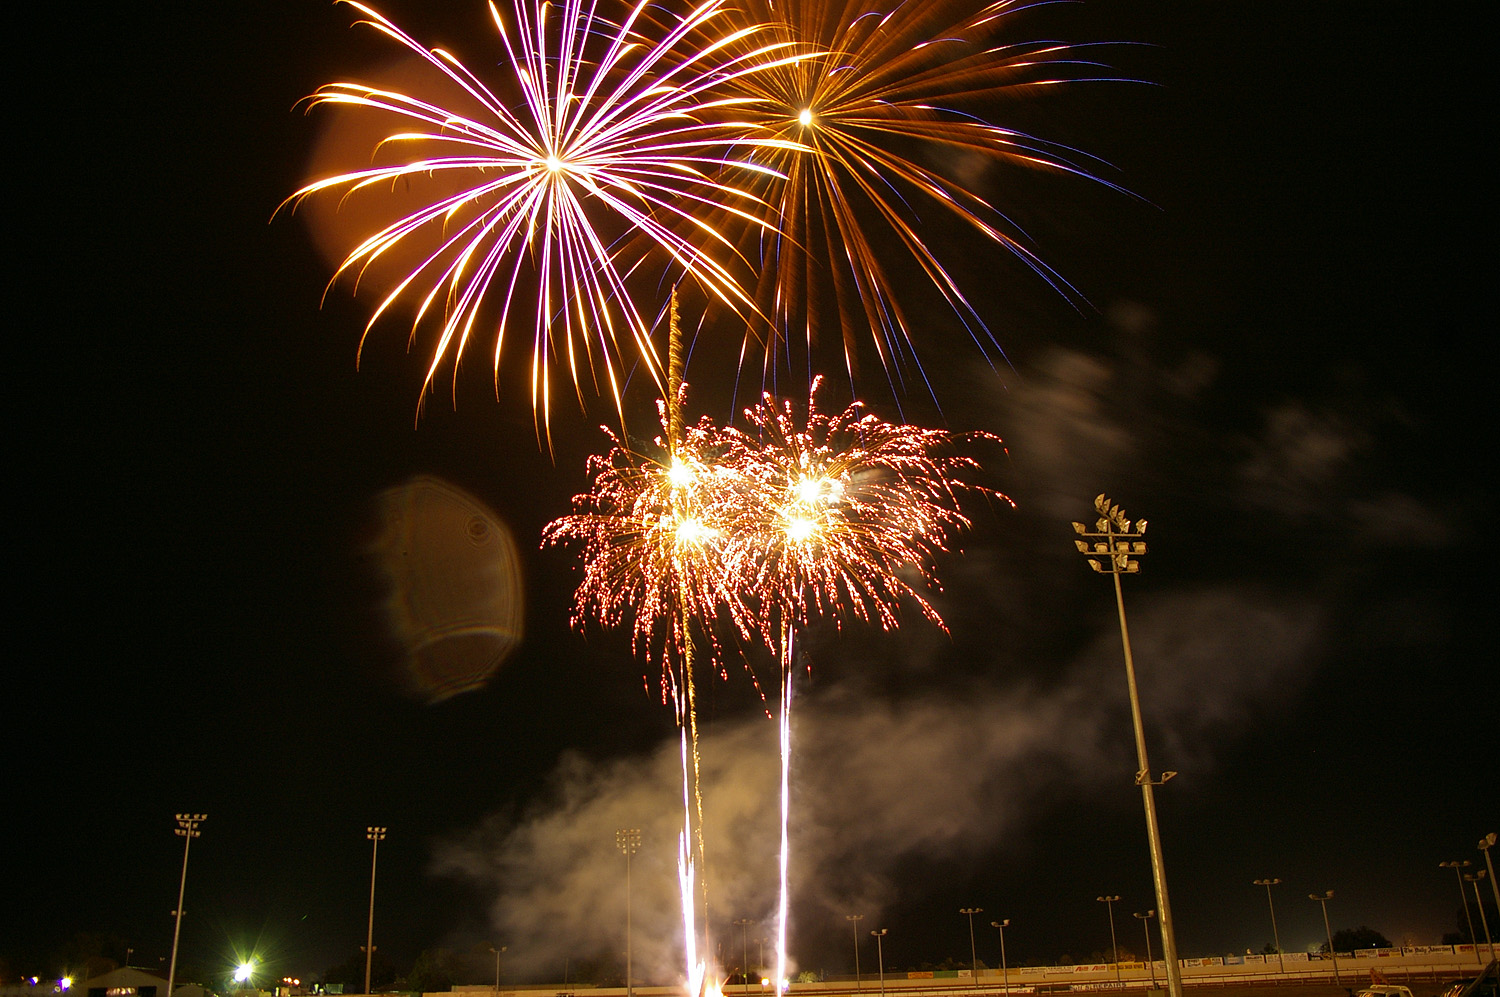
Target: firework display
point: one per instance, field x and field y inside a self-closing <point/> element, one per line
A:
<point x="607" y="134"/>
<point x="777" y="157"/>
<point x="883" y="126"/>
<point x="825" y="516"/>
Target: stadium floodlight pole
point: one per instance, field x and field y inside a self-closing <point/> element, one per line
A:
<point x="628" y="841"/>
<point x="743" y="923"/>
<point x="1485" y="844"/>
<point x="973" y="954"/>
<point x="376" y="835"/>
<point x="1146" y="927"/>
<point x="1483" y="920"/>
<point x="187" y="830"/>
<point x="1275" y="935"/>
<point x="497" y="952"/>
<point x="1458" y="866"/>
<point x="1114" y="947"/>
<point x="854" y="920"/>
<point x="1114" y="547"/>
<point x="1004" y="967"/>
<point x="879" y="934"/>
<point x="1323" y="899"/>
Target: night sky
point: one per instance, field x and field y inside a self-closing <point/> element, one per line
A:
<point x="1282" y="365"/>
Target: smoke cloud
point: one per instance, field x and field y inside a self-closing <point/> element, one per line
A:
<point x="877" y="780"/>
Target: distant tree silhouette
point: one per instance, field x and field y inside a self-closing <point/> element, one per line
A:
<point x="1362" y="937"/>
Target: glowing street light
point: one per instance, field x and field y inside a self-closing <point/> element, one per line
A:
<point x="879" y="934"/>
<point x="187" y="830"/>
<point x="1114" y="547"/>
<point x="1458" y="867"/>
<point x="1268" y="883"/>
<point x="1328" y="930"/>
<point x="243" y="972"/>
<point x="376" y="835"/>
<point x="973" y="956"/>
<point x="854" y="920"/>
<point x="1146" y="927"/>
<point x="628" y="841"/>
<point x="1114" y="947"/>
<point x="1004" y="967"/>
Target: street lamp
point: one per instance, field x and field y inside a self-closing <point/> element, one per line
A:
<point x="497" y="952"/>
<point x="879" y="934"/>
<point x="1323" y="899"/>
<point x="1268" y="883"/>
<point x="376" y="835"/>
<point x="743" y="924"/>
<point x="973" y="956"/>
<point x="1458" y="867"/>
<point x="1485" y="844"/>
<point x="1004" y="968"/>
<point x="187" y="830"/>
<point x="628" y="841"/>
<point x="1114" y="948"/>
<point x="1114" y="547"/>
<point x="854" y="920"/>
<point x="1146" y="927"/>
<point x="1475" y="878"/>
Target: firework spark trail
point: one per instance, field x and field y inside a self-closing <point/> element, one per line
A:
<point x="895" y="86"/>
<point x="615" y="121"/>
<point x="784" y="725"/>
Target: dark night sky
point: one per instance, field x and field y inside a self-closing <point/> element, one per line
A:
<point x="1281" y="368"/>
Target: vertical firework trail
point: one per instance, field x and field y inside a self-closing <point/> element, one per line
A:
<point x="784" y="723"/>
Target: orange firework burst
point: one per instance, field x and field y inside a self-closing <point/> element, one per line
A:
<point x="656" y="538"/>
<point x="889" y="95"/>
<point x="830" y="516"/>
<point x="847" y="514"/>
<point x="601" y="131"/>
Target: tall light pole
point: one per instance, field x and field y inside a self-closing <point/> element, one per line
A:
<point x="375" y="835"/>
<point x="1114" y="948"/>
<point x="973" y="955"/>
<point x="1485" y="844"/>
<point x="854" y="920"/>
<point x="879" y="934"/>
<point x="1146" y="927"/>
<point x="187" y="830"/>
<point x="1323" y="899"/>
<point x="743" y="924"/>
<point x="1004" y="967"/>
<point x="1275" y="935"/>
<point x="497" y="952"/>
<point x="1458" y="867"/>
<point x="1483" y="920"/>
<point x="628" y="841"/>
<point x="1114" y="547"/>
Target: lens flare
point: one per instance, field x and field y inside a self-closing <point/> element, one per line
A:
<point x="598" y="151"/>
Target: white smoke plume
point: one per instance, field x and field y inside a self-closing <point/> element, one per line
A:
<point x="943" y="776"/>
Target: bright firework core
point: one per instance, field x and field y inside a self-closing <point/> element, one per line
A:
<point x="805" y="117"/>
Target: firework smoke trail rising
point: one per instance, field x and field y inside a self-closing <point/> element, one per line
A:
<point x="616" y="127"/>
